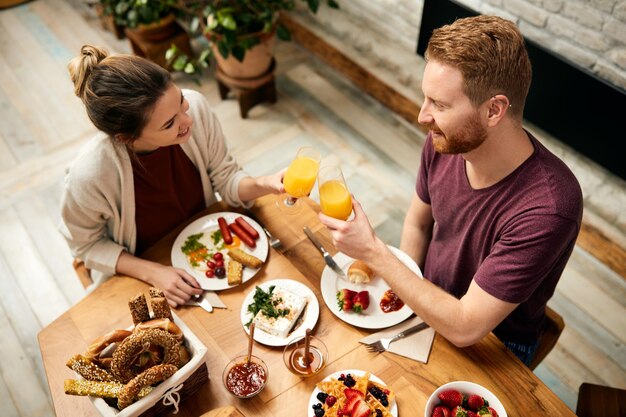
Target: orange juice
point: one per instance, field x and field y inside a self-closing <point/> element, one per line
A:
<point x="335" y="199"/>
<point x="300" y="176"/>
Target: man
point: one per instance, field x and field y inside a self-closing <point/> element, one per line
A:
<point x="496" y="215"/>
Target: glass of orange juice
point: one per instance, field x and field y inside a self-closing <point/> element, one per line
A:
<point x="300" y="178"/>
<point x="335" y="199"/>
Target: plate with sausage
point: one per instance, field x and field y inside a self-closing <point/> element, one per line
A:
<point x="369" y="305"/>
<point x="208" y="245"/>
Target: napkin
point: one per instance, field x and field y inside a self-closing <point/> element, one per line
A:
<point x="416" y="346"/>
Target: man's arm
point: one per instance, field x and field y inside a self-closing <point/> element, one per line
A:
<point x="417" y="230"/>
<point x="463" y="322"/>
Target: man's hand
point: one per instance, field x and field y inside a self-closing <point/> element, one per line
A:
<point x="355" y="237"/>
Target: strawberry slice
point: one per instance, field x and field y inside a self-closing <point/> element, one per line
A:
<point x="361" y="301"/>
<point x="350" y="392"/>
<point x="361" y="409"/>
<point x="344" y="299"/>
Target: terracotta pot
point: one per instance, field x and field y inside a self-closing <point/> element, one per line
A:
<point x="157" y="31"/>
<point x="256" y="61"/>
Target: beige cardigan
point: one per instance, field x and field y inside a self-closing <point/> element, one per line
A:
<point x="98" y="204"/>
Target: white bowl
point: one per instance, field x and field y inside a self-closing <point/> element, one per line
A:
<point x="466" y="388"/>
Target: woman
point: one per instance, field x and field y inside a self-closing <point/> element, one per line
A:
<point x="159" y="160"/>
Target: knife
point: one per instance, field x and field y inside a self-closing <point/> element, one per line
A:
<point x="327" y="258"/>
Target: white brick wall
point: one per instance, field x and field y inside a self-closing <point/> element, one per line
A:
<point x="590" y="33"/>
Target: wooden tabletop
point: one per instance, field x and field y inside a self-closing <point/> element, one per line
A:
<point x="487" y="363"/>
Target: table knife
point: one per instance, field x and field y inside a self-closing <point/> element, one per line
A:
<point x="327" y="258"/>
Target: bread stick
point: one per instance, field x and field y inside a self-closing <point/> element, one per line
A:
<point x="139" y="308"/>
<point x="245" y="258"/>
<point x="235" y="272"/>
<point x="87" y="369"/>
<point x="98" y="388"/>
<point x="161" y="309"/>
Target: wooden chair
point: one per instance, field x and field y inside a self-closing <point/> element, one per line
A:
<point x="82" y="272"/>
<point x="554" y="328"/>
<point x="600" y="401"/>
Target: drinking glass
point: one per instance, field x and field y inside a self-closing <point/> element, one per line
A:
<point x="299" y="178"/>
<point x="335" y="199"/>
<point x="293" y="356"/>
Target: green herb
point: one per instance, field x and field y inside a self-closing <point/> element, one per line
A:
<point x="266" y="302"/>
<point x="218" y="240"/>
<point x="192" y="244"/>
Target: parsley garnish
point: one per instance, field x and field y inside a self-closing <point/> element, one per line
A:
<point x="192" y="244"/>
<point x="266" y="302"/>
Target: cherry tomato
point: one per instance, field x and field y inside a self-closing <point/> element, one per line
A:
<point x="220" y="272"/>
<point x="209" y="273"/>
<point x="211" y="264"/>
<point x="219" y="263"/>
<point x="218" y="256"/>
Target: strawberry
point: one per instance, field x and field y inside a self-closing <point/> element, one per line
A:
<point x="344" y="299"/>
<point x="349" y="393"/>
<point x="494" y="413"/>
<point x="451" y="398"/>
<point x="353" y="397"/>
<point x="459" y="411"/>
<point x="361" y="409"/>
<point x="471" y="413"/>
<point x="361" y="301"/>
<point x="441" y="411"/>
<point x="475" y="402"/>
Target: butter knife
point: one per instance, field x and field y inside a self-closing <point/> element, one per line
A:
<point x="327" y="258"/>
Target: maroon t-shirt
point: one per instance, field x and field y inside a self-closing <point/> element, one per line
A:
<point x="168" y="191"/>
<point x="513" y="238"/>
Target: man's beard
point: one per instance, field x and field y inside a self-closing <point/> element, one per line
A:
<point x="463" y="140"/>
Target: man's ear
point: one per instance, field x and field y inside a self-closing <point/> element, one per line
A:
<point x="498" y="105"/>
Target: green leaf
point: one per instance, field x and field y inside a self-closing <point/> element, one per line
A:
<point x="194" y="24"/>
<point x="332" y="4"/>
<point x="238" y="52"/>
<point x="223" y="48"/>
<point x="204" y="56"/>
<point x="189" y="68"/>
<point x="313" y="5"/>
<point x="179" y="63"/>
<point x="170" y="53"/>
<point x="229" y="22"/>
<point x="282" y="33"/>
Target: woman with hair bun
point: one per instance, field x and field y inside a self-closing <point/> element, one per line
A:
<point x="159" y="159"/>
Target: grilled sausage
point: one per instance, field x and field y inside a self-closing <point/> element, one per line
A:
<point x="228" y="239"/>
<point x="241" y="234"/>
<point x="247" y="227"/>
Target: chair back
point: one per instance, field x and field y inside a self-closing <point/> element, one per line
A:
<point x="600" y="401"/>
<point x="554" y="328"/>
<point x="82" y="272"/>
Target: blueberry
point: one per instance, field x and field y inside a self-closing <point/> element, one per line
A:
<point x="379" y="413"/>
<point x="319" y="412"/>
<point x="349" y="381"/>
<point x="317" y="406"/>
<point x="322" y="396"/>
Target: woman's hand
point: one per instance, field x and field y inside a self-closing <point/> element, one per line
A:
<point x="251" y="188"/>
<point x="177" y="284"/>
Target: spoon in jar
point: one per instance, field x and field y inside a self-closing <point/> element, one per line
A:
<point x="250" y="342"/>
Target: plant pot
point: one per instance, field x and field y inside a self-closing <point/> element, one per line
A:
<point x="108" y="22"/>
<point x="256" y="61"/>
<point x="157" y="31"/>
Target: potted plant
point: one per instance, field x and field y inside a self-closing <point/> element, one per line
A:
<point x="148" y="19"/>
<point x="240" y="33"/>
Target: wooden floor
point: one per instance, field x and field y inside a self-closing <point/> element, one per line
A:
<point x="42" y="125"/>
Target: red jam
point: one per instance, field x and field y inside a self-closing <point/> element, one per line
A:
<point x="245" y="379"/>
<point x="390" y="302"/>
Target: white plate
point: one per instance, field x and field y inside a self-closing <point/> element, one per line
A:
<point x="355" y="372"/>
<point x="373" y="317"/>
<point x="308" y="321"/>
<point x="208" y="224"/>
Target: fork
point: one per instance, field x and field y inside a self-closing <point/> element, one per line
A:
<point x="274" y="241"/>
<point x="383" y="344"/>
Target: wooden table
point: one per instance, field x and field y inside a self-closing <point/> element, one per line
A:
<point x="488" y="363"/>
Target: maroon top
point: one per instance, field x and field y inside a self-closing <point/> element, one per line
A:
<point x="168" y="191"/>
<point x="513" y="238"/>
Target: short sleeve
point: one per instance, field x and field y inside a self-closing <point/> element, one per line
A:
<point x="421" y="186"/>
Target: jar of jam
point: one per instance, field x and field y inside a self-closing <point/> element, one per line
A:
<point x="245" y="379"/>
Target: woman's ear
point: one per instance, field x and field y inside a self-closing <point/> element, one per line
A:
<point x="498" y="106"/>
<point x="123" y="139"/>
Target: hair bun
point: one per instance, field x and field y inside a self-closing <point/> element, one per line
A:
<point x="81" y="66"/>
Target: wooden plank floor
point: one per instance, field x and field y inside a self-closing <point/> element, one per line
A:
<point x="42" y="124"/>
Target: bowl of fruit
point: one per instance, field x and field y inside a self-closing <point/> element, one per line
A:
<point x="463" y="398"/>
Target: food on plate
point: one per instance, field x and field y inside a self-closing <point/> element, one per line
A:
<point x="161" y="308"/>
<point x="242" y="234"/>
<point x="127" y="352"/>
<point x="228" y="238"/>
<point x="245" y="379"/>
<point x="98" y="389"/>
<point x="86" y="368"/>
<point x="390" y="302"/>
<point x="151" y="376"/>
<point x="245" y="258"/>
<point x="354" y="301"/>
<point x="246" y="226"/>
<point x="456" y="403"/>
<point x="354" y="396"/>
<point x="139" y="308"/>
<point x="235" y="272"/>
<point x="276" y="311"/>
<point x="153" y="351"/>
<point x="360" y="273"/>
